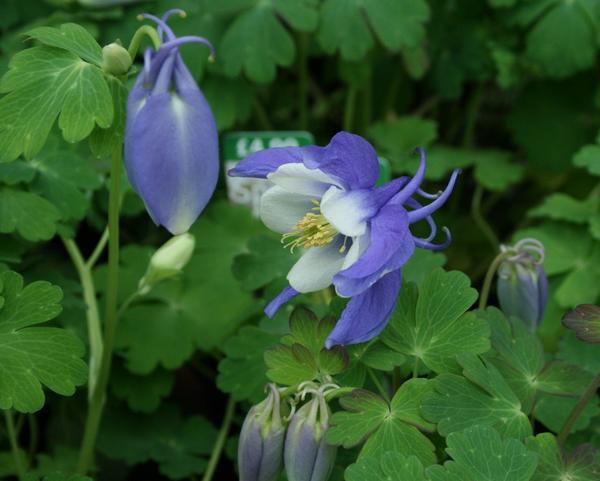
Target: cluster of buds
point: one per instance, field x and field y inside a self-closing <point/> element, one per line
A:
<point x="269" y="439"/>
<point x="522" y="283"/>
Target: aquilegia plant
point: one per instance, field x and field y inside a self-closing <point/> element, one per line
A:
<point x="356" y="235"/>
<point x="171" y="143"/>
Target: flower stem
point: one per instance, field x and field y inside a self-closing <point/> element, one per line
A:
<point x="261" y="115"/>
<point x="349" y="108"/>
<point x="585" y="398"/>
<point x="14" y="443"/>
<point x="489" y="278"/>
<point x="96" y="403"/>
<point x="480" y="220"/>
<point x="220" y="442"/>
<point x="378" y="384"/>
<point x="144" y="30"/>
<point x="415" y="372"/>
<point x="91" y="262"/>
<point x="92" y="314"/>
<point x="303" y="81"/>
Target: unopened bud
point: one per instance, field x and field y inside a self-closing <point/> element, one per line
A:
<point x="168" y="260"/>
<point x="115" y="59"/>
<point x="307" y="456"/>
<point x="522" y="284"/>
<point x="260" y="448"/>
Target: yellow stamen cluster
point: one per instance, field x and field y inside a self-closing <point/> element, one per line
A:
<point x="313" y="230"/>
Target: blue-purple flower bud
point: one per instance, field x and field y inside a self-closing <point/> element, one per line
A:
<point x="307" y="456"/>
<point x="171" y="142"/>
<point x="260" y="448"/>
<point x="522" y="284"/>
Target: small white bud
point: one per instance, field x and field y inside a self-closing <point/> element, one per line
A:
<point x="168" y="260"/>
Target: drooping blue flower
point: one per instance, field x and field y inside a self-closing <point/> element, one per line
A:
<point x="522" y="285"/>
<point x="356" y="236"/>
<point x="171" y="141"/>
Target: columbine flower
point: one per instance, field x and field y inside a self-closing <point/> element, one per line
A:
<point x="171" y="143"/>
<point x="522" y="286"/>
<point x="356" y="235"/>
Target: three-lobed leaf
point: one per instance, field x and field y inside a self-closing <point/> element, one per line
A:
<point x="32" y="357"/>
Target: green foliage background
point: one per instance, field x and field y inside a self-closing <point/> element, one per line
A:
<point x="507" y="90"/>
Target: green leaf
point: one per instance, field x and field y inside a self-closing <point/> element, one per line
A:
<point x="583" y="354"/>
<point x="142" y="393"/>
<point x="266" y="261"/>
<point x="34" y="356"/>
<point x="585" y="321"/>
<point x="381" y="357"/>
<point x="519" y="356"/>
<point x="71" y="37"/>
<point x="430" y="323"/>
<point x="256" y="43"/>
<point x="18" y="209"/>
<point x="243" y="372"/>
<point x="393" y="427"/>
<point x="290" y="364"/>
<point x="396" y="23"/>
<point x="103" y="141"/>
<point x="42" y="83"/>
<point x="552" y="412"/>
<point x="564" y="40"/>
<point x="589" y="157"/>
<point x="391" y="466"/>
<point x="421" y="264"/>
<point x="482" y="397"/>
<point x="178" y="445"/>
<point x="561" y="206"/>
<point x="63" y="177"/>
<point x="552" y="465"/>
<point x="495" y="171"/>
<point x="397" y="140"/>
<point x="485" y="456"/>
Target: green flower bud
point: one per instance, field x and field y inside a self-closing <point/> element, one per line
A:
<point x="168" y="260"/>
<point x="115" y="59"/>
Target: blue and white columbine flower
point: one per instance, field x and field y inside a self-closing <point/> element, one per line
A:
<point x="171" y="140"/>
<point x="356" y="236"/>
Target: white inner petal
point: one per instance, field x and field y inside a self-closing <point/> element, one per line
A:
<point x="347" y="211"/>
<point x="315" y="269"/>
<point x="280" y="210"/>
<point x="299" y="179"/>
<point x="359" y="245"/>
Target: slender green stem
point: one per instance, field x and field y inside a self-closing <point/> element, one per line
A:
<point x="489" y="278"/>
<point x="349" y="108"/>
<point x="220" y="442"/>
<point x="585" y="398"/>
<point x="91" y="262"/>
<point x="261" y="115"/>
<point x="92" y="313"/>
<point x="14" y="443"/>
<point x="367" y="105"/>
<point x="303" y="80"/>
<point x="126" y="303"/>
<point x="144" y="30"/>
<point x="97" y="399"/>
<point x="480" y="220"/>
<point x="415" y="372"/>
<point x="378" y="384"/>
<point x="33" y="435"/>
<point x="338" y="392"/>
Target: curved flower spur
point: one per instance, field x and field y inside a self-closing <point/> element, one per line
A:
<point x="356" y="236"/>
<point x="171" y="140"/>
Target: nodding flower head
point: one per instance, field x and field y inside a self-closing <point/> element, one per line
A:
<point x="522" y="286"/>
<point x="171" y="142"/>
<point x="355" y="235"/>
